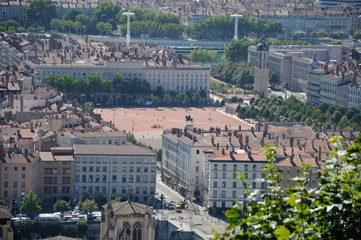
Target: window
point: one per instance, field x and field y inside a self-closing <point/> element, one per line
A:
<point x="224" y="175"/>
<point x="23" y="168"/>
<point x="223" y="193"/>
<point x="254" y="175"/>
<point x="114" y="189"/>
<point x="152" y="169"/>
<point x="224" y="185"/>
<point x="97" y="160"/>
<point x="114" y="178"/>
<point x="77" y="178"/>
<point x="15" y="184"/>
<point x="90" y="178"/>
<point x="234" y="167"/>
<point x="84" y="160"/>
<point x="124" y="169"/>
<point x="114" y="169"/>
<point x="77" y="168"/>
<point x="84" y="169"/>
<point x="215" y="184"/>
<point x="224" y="167"/>
<point x="215" y="174"/>
<point x="152" y="178"/>
<point x="145" y="160"/>
<point x="6" y="175"/>
<point x="124" y="179"/>
<point x="15" y="193"/>
<point x="197" y="168"/>
<point x="234" y="175"/>
<point x="130" y="178"/>
<point x="104" y="178"/>
<point x="15" y="168"/>
<point x="97" y="178"/>
<point x="91" y="169"/>
<point x="137" y="179"/>
<point x="77" y="159"/>
<point x="138" y="169"/>
<point x="145" y="178"/>
<point x="234" y="194"/>
<point x="145" y="190"/>
<point x="104" y="169"/>
<point x="115" y="160"/>
<point x="5" y="193"/>
<point x="197" y="151"/>
<point x="97" y="169"/>
<point x="91" y="160"/>
<point x="6" y="168"/>
<point x="131" y="160"/>
<point x="125" y="161"/>
<point x="145" y="169"/>
<point x="15" y="175"/>
<point x="105" y="160"/>
<point x="131" y="169"/>
<point x="246" y="167"/>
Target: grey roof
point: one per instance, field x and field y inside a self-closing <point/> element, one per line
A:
<point x="100" y="134"/>
<point x="128" y="208"/>
<point x="84" y="149"/>
<point x="5" y="214"/>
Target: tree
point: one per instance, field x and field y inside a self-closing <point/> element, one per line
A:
<point x="203" y="56"/>
<point x="357" y="34"/>
<point x="20" y="29"/>
<point x="100" y="27"/>
<point x="273" y="79"/>
<point x="4" y="204"/>
<point x="82" y="228"/>
<point x="88" y="206"/>
<point x="40" y="13"/>
<point x="140" y="101"/>
<point x="84" y="196"/>
<point x="61" y="206"/>
<point x="100" y="199"/>
<point x="71" y="15"/>
<point x="29" y="204"/>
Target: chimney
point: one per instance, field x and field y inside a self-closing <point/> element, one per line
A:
<point x="247" y="139"/>
<point x="223" y="151"/>
<point x="313" y="143"/>
<point x="230" y="140"/>
<point x="319" y="154"/>
<point x="325" y="67"/>
<point x="240" y="128"/>
<point x="26" y="153"/>
<point x="252" y="130"/>
<point x="212" y="140"/>
<point x="291" y="160"/>
<point x="317" y="136"/>
<point x="194" y="130"/>
<point x="298" y="142"/>
<point x="321" y="127"/>
<point x="249" y="154"/>
<point x="240" y="138"/>
<point x="266" y="128"/>
<point x="284" y="151"/>
<point x="231" y="155"/>
<point x="259" y="126"/>
<point x="225" y="128"/>
<point x="40" y="134"/>
<point x="291" y="141"/>
<point x="232" y="148"/>
<point x="217" y="146"/>
<point x="185" y="131"/>
<point x="276" y="141"/>
<point x="293" y="151"/>
<point x="226" y="146"/>
<point x="21" y="103"/>
<point x="2" y="152"/>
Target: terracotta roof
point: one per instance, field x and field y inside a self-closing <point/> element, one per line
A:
<point x="19" y="158"/>
<point x="5" y="214"/>
<point x="237" y="156"/>
<point x="296" y="162"/>
<point x="99" y="134"/>
<point x="49" y="157"/>
<point x="83" y="149"/>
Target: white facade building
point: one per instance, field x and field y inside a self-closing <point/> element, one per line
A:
<point x="114" y="170"/>
<point x="261" y="70"/>
<point x="177" y="79"/>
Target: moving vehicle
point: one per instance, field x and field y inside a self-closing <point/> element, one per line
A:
<point x="177" y="208"/>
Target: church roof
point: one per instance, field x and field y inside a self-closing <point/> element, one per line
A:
<point x="128" y="208"/>
<point x="5" y="214"/>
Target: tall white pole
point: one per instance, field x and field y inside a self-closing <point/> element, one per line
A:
<point x="127" y="38"/>
<point x="236" y="16"/>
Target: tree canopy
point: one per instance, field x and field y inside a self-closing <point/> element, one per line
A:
<point x="203" y="56"/>
<point x="61" y="206"/>
<point x="40" y="13"/>
<point x="29" y="204"/>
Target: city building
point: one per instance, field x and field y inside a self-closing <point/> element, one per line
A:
<point x="34" y="140"/>
<point x="127" y="220"/>
<point x="114" y="170"/>
<point x="224" y="187"/>
<point x="261" y="70"/>
<point x="18" y="175"/>
<point x="115" y="138"/>
<point x="176" y="79"/>
<point x="6" y="232"/>
<point x="56" y="175"/>
<point x="337" y="3"/>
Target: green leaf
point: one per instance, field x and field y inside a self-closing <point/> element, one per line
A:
<point x="282" y="233"/>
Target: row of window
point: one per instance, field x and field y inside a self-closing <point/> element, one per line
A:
<point x="15" y="176"/>
<point x="15" y="184"/>
<point x="122" y="190"/>
<point x="114" y="160"/>
<point x="104" y="141"/>
<point x="54" y="180"/>
<point x="235" y="167"/>
<point x="64" y="190"/>
<point x="114" y="169"/>
<point x="15" y="193"/>
<point x="15" y="168"/>
<point x="103" y="178"/>
<point x="54" y="171"/>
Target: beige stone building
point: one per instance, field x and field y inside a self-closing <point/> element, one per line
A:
<point x="261" y="70"/>
<point x="127" y="220"/>
<point x="56" y="175"/>
<point x="6" y="232"/>
<point x="18" y="175"/>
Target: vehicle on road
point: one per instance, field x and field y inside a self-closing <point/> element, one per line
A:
<point x="171" y="206"/>
<point x="177" y="208"/>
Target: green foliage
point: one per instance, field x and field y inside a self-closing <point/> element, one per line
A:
<point x="40" y="13"/>
<point x="61" y="206"/>
<point x="293" y="110"/>
<point x="236" y="74"/>
<point x="100" y="199"/>
<point x="84" y="196"/>
<point x="273" y="78"/>
<point x="71" y="15"/>
<point x="88" y="206"/>
<point x="338" y="34"/>
<point x="222" y="27"/>
<point x="4" y="204"/>
<point x="203" y="56"/>
<point x="29" y="204"/>
<point x="23" y="229"/>
<point x="357" y="34"/>
<point x="331" y="211"/>
<point x="82" y="228"/>
<point x="336" y="42"/>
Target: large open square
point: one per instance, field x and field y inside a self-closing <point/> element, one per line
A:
<point x="147" y="124"/>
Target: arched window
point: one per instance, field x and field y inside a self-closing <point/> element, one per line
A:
<point x="215" y="167"/>
<point x="234" y="167"/>
<point x="125" y="233"/>
<point x="254" y="168"/>
<point x="137" y="231"/>
<point x="246" y="167"/>
<point x="224" y="167"/>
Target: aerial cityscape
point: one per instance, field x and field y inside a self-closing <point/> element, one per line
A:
<point x="180" y="120"/>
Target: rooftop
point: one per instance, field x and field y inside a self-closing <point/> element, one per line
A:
<point x="82" y="149"/>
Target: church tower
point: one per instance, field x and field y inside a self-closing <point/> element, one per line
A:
<point x="261" y="71"/>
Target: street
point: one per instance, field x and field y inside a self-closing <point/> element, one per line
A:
<point x="169" y="194"/>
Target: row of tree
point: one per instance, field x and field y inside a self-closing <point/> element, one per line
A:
<point x="222" y="27"/>
<point x="233" y="73"/>
<point x="154" y="23"/>
<point x="330" y="211"/>
<point x="275" y="109"/>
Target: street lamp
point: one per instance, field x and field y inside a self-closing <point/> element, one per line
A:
<point x="236" y="16"/>
<point x="128" y="14"/>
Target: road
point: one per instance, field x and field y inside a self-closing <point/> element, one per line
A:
<point x="169" y="194"/>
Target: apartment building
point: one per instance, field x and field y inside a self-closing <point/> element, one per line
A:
<point x="34" y="140"/>
<point x="6" y="232"/>
<point x="18" y="175"/>
<point x="176" y="79"/>
<point x="224" y="187"/>
<point x="354" y="96"/>
<point x="114" y="169"/>
<point x="112" y="138"/>
<point x="56" y="175"/>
